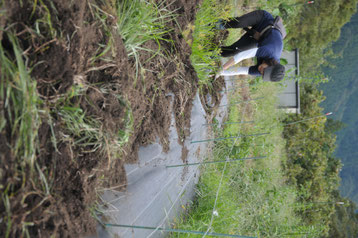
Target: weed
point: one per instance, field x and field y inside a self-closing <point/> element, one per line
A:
<point x="21" y="103"/>
<point x="205" y="49"/>
<point x="21" y="116"/>
<point x="88" y="132"/>
<point x="102" y="16"/>
<point x="44" y="23"/>
<point x="6" y="203"/>
<point x="85" y="130"/>
<point x="139" y="22"/>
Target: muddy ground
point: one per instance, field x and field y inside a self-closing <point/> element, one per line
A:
<point x="63" y="57"/>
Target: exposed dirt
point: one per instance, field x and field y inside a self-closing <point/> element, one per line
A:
<point x="66" y="57"/>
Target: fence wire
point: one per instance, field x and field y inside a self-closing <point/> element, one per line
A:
<point x="221" y="179"/>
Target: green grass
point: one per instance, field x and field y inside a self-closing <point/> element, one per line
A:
<point x="21" y="103"/>
<point x="205" y="52"/>
<point x="88" y="132"/>
<point x="253" y="198"/>
<point x="84" y="131"/>
<point x="22" y="113"/>
<point x="106" y="51"/>
<point x="43" y="24"/>
<point x="139" y="22"/>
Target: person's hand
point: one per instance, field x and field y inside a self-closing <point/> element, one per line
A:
<point x="253" y="33"/>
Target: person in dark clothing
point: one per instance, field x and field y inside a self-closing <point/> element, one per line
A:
<point x="264" y="40"/>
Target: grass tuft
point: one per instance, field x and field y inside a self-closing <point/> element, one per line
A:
<point x="205" y="47"/>
<point x="21" y="102"/>
<point x="43" y="24"/>
<point x="139" y="22"/>
<point x="20" y="121"/>
<point x="88" y="132"/>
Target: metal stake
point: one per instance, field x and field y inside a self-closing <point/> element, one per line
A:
<point x="227" y="138"/>
<point x="295" y="122"/>
<point x="230" y="104"/>
<point x="177" y="230"/>
<point x="231" y="89"/>
<point x="228" y="123"/>
<point x="234" y="79"/>
<point x="214" y="162"/>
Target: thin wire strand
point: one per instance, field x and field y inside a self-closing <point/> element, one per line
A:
<point x="155" y="197"/>
<point x="221" y="179"/>
<point x="176" y="200"/>
<point x="217" y="195"/>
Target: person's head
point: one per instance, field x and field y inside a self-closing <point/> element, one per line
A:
<point x="271" y="70"/>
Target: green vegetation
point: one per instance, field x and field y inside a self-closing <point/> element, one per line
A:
<point x="252" y="196"/>
<point x="139" y="22"/>
<point x="87" y="132"/>
<point x="311" y="166"/>
<point x="36" y="125"/>
<point x="341" y="93"/>
<point x="315" y="27"/>
<point x="20" y="112"/>
<point x="293" y="191"/>
<point x="344" y="220"/>
<point x="21" y="103"/>
<point x="205" y="43"/>
<point x="275" y="197"/>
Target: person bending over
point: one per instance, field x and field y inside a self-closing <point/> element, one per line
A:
<point x="264" y="40"/>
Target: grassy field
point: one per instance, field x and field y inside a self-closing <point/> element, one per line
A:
<point x="250" y="197"/>
<point x="247" y="197"/>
